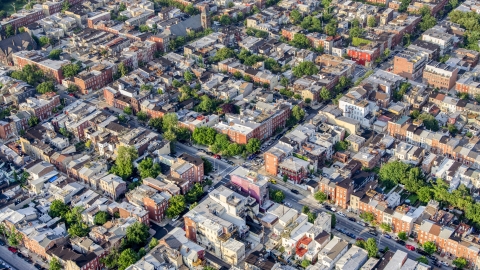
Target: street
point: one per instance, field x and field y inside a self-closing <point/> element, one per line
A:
<point x="14" y="260"/>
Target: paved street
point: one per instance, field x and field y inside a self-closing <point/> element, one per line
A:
<point x="14" y="260"/>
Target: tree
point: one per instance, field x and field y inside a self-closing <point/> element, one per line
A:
<point x="101" y="218"/>
<point x="428" y="21"/>
<point x="222" y="54"/>
<point x="55" y="54"/>
<point x="284" y="83"/>
<point x="333" y="222"/>
<point x="300" y="41"/>
<point x="33" y="121"/>
<point x="298" y="113"/>
<point x="452" y="129"/>
<point x="9" y="31"/>
<point x="423" y="260"/>
<point x="325" y="94"/>
<point x="320" y="196"/>
<point x="367" y="216"/>
<point x="189" y="9"/>
<point x="54" y="264"/>
<point x="371" y="247"/>
<point x="14" y="237"/>
<point x="170" y="121"/>
<point x="206" y="104"/>
<point x="58" y="209"/>
<point x="144" y="28"/>
<point x="122" y="69"/>
<point x="403" y="236"/>
<point x="70" y="70"/>
<point x="124" y="163"/>
<point x="127" y="258"/>
<point x="253" y="145"/>
<point x="142" y="116"/>
<point x="79" y="229"/>
<point x="429" y="121"/>
<point x="225" y="20"/>
<point x="72" y="88"/>
<point x="460" y="262"/>
<point x="193" y="205"/>
<point x="331" y="28"/>
<point x="404" y="5"/>
<point x="65" y="6"/>
<point x="305" y="68"/>
<point x="110" y="261"/>
<point x="45" y="87"/>
<point x="153" y="243"/>
<point x="295" y="16"/>
<point x="308" y="100"/>
<point x="386" y="227"/>
<point x="360" y="243"/>
<point x="305" y="209"/>
<point x="306" y="263"/>
<point x="188" y="76"/>
<point x="285" y="178"/>
<point x="195" y="193"/>
<point x="371" y="22"/>
<point x="207" y="166"/>
<point x="393" y="173"/>
<point x="429" y="247"/>
<point x="156" y="123"/>
<point x="127" y="110"/>
<point x="341" y="146"/>
<point x="148" y="169"/>
<point x="277" y="195"/>
<point x="137" y="233"/>
<point x="176" y="206"/>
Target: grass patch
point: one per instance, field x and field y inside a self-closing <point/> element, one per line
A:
<point x="356" y="41"/>
<point x="413" y="198"/>
<point x="300" y="156"/>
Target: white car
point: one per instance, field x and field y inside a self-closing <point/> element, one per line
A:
<point x="341" y="214"/>
<point x="175" y="218"/>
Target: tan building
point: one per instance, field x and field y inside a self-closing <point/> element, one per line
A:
<point x="410" y="63"/>
<point x="112" y="185"/>
<point x="440" y="75"/>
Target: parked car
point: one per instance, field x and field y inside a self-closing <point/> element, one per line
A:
<point x="352" y="219"/>
<point x="294" y="191"/>
<point x="444" y="263"/>
<point x="209" y="153"/>
<point x="401" y="242"/>
<point x="36" y="265"/>
<point x="372" y="232"/>
<point x="12" y="249"/>
<point x="387" y="236"/>
<point x="20" y="255"/>
<point x="361" y="223"/>
<point x="360" y="239"/>
<point x="422" y="252"/>
<point x="328" y="207"/>
<point x="333" y="209"/>
<point x="410" y="247"/>
<point x="175" y="218"/>
<point x="2" y="243"/>
<point x="26" y="259"/>
<point x="273" y="181"/>
<point x="341" y="214"/>
<point x="217" y="156"/>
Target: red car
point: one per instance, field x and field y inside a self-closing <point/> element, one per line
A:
<point x="70" y="95"/>
<point x="410" y="247"/>
<point x="12" y="249"/>
<point x="217" y="156"/>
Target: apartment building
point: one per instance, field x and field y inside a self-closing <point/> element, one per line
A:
<point x="51" y="68"/>
<point x="251" y="183"/>
<point x="275" y="155"/>
<point x="439" y="35"/>
<point x="153" y="201"/>
<point x="23" y="17"/>
<point x="188" y="168"/>
<point x="410" y="63"/>
<point x="364" y="55"/>
<point x="121" y="95"/>
<point x="468" y="83"/>
<point x="94" y="78"/>
<point x="354" y="105"/>
<point x="440" y="75"/>
<point x="127" y="210"/>
<point x="41" y="106"/>
<point x="259" y="123"/>
<point x="353" y="259"/>
<point x="112" y="185"/>
<point x="332" y="252"/>
<point x="215" y="220"/>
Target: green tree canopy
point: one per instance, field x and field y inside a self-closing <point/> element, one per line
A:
<point x="127" y="258"/>
<point x="137" y="233"/>
<point x="148" y="168"/>
<point x="320" y="196"/>
<point x="371" y="247"/>
<point x="142" y="116"/>
<point x="101" y="218"/>
<point x="371" y="22"/>
<point x="325" y="94"/>
<point x="70" y="70"/>
<point x="429" y="247"/>
<point x="55" y="54"/>
<point x="300" y="41"/>
<point x="153" y="243"/>
<point x="46" y="87"/>
<point x="460" y="262"/>
<point x="305" y="68"/>
<point x="298" y="113"/>
<point x="403" y="236"/>
<point x="422" y="259"/>
<point x="295" y="16"/>
<point x="277" y="195"/>
<point x="253" y="145"/>
<point x="176" y="206"/>
<point x="128" y="110"/>
<point x="222" y="54"/>
<point x="124" y="163"/>
<point x="367" y="216"/>
<point x="54" y="264"/>
<point x="58" y="209"/>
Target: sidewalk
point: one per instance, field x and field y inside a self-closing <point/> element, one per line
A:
<point x="34" y="257"/>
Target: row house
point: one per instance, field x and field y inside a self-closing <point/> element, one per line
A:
<point x="124" y="97"/>
<point x="275" y="155"/>
<point x="468" y="84"/>
<point x="126" y="210"/>
<point x="232" y="65"/>
<point x="23" y="17"/>
<point x="449" y="241"/>
<point x="112" y="185"/>
<point x="14" y="124"/>
<point x="364" y="55"/>
<point x="153" y="201"/>
<point x="440" y="75"/>
<point x="260" y="123"/>
<point x="51" y="68"/>
<point x="94" y="78"/>
<point x="41" y="106"/>
<point x="294" y="168"/>
<point x="401" y="25"/>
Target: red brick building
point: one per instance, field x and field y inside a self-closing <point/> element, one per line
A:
<point x="23" y="18"/>
<point x="95" y="78"/>
<point x="294" y="168"/>
<point x="162" y="42"/>
<point x="42" y="106"/>
<point x="105" y="16"/>
<point x="51" y="68"/>
<point x="364" y="55"/>
<point x="440" y="75"/>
